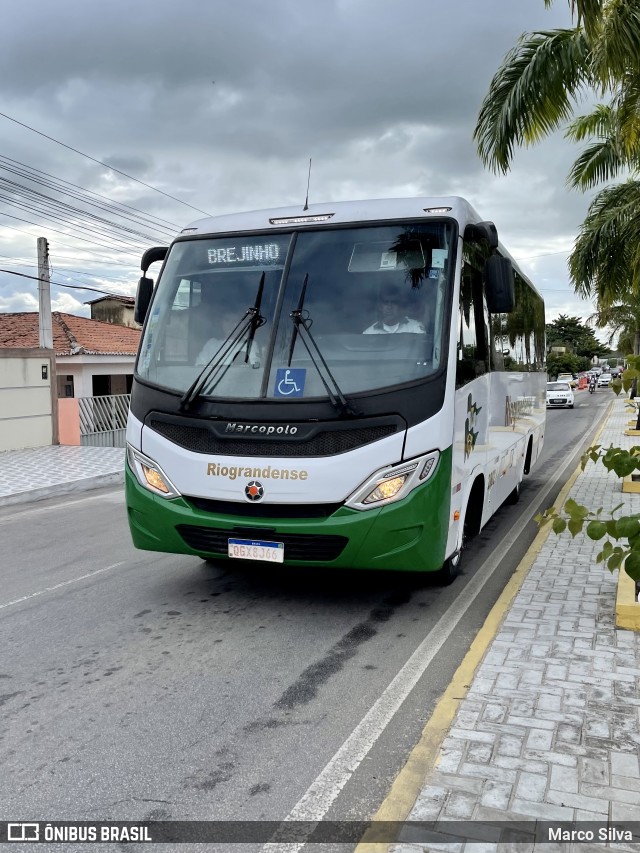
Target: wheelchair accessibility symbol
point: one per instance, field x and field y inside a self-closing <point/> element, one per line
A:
<point x="290" y="381"/>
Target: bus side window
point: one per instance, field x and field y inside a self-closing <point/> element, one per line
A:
<point x="473" y="337"/>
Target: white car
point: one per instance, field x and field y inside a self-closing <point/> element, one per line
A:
<point x="604" y="379"/>
<point x="568" y="377"/>
<point x="559" y="394"/>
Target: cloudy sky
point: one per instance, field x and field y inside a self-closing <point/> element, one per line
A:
<point x="217" y="106"/>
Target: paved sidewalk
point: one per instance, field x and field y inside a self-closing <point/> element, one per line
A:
<point x="44" y="472"/>
<point x="550" y="727"/>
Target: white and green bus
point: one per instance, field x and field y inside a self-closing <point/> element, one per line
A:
<point x="356" y="385"/>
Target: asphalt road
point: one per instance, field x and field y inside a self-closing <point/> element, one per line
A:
<point x="138" y="686"/>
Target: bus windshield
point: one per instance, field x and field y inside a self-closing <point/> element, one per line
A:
<point x="373" y="299"/>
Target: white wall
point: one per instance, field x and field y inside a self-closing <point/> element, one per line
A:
<point x="28" y="417"/>
<point x="83" y="367"/>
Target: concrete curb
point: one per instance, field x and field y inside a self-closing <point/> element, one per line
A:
<point x="65" y="488"/>
<point x="627" y="607"/>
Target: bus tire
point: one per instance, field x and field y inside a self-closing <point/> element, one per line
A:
<point x="450" y="568"/>
<point x="527" y="461"/>
<point x="470" y="528"/>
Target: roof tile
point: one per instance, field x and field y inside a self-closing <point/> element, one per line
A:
<point x="72" y="335"/>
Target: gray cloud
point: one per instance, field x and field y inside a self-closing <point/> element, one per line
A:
<point x="222" y="104"/>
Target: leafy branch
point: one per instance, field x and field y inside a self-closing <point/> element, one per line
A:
<point x="621" y="547"/>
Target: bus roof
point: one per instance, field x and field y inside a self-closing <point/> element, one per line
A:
<point x="344" y="212"/>
<point x="339" y="212"/>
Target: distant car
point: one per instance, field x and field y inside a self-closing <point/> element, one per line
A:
<point x="604" y="379"/>
<point x="568" y="377"/>
<point x="559" y="394"/>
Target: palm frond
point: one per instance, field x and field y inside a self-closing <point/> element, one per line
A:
<point x="532" y="93"/>
<point x="605" y="261"/>
<point x="617" y="47"/>
<point x="601" y="122"/>
<point x="589" y="13"/>
<point x="627" y="110"/>
<point x="599" y="162"/>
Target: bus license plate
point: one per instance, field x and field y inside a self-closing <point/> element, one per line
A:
<point x="256" y="549"/>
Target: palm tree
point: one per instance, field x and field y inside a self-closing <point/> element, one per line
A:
<point x="605" y="261"/>
<point x="536" y="89"/>
<point x="623" y="321"/>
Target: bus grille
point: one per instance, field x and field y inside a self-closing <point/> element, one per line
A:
<point x="297" y="546"/>
<point x="200" y="440"/>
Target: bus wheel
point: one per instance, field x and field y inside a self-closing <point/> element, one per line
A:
<point x="470" y="528"/>
<point x="451" y="566"/>
<point x="527" y="461"/>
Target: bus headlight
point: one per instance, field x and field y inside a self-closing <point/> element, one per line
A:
<point x="150" y="475"/>
<point x="394" y="483"/>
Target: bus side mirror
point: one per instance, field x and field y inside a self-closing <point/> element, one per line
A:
<point x="143" y="298"/>
<point x="145" y="285"/>
<point x="499" y="285"/>
<point x="157" y="253"/>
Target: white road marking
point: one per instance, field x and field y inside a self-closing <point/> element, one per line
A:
<point x="322" y="793"/>
<point x="60" y="585"/>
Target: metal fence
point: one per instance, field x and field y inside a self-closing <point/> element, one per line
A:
<point x="103" y="420"/>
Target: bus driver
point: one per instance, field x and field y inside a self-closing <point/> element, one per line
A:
<point x="392" y="316"/>
<point x="228" y="320"/>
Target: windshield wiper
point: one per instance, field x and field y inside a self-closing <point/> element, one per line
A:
<point x="302" y="328"/>
<point x="251" y="321"/>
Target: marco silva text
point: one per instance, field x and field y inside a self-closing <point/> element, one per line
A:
<point x="589" y="832"/>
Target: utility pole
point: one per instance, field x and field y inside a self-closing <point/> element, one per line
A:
<point x="44" y="295"/>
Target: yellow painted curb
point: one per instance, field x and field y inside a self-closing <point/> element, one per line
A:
<point x="632" y="432"/>
<point x="424" y="756"/>
<point x="630" y="485"/>
<point x="627" y="608"/>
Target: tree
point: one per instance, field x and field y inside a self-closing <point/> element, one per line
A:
<point x="571" y="332"/>
<point x="605" y="261"/>
<point x="538" y="85"/>
<point x="536" y="90"/>
<point x="623" y="321"/>
<point x="562" y="362"/>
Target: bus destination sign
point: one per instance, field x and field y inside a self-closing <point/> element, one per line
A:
<point x="247" y="254"/>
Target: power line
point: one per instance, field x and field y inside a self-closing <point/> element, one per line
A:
<point x="64" y="247"/>
<point x="39" y="208"/>
<point x="101" y="163"/>
<point x="65" y="234"/>
<point x="58" y="284"/>
<point x="60" y="181"/>
<point x="21" y="191"/>
<point x="61" y="270"/>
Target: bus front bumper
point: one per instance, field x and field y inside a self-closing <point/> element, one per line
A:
<point x="409" y="535"/>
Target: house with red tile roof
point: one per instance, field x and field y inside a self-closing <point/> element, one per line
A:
<point x="93" y="358"/>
